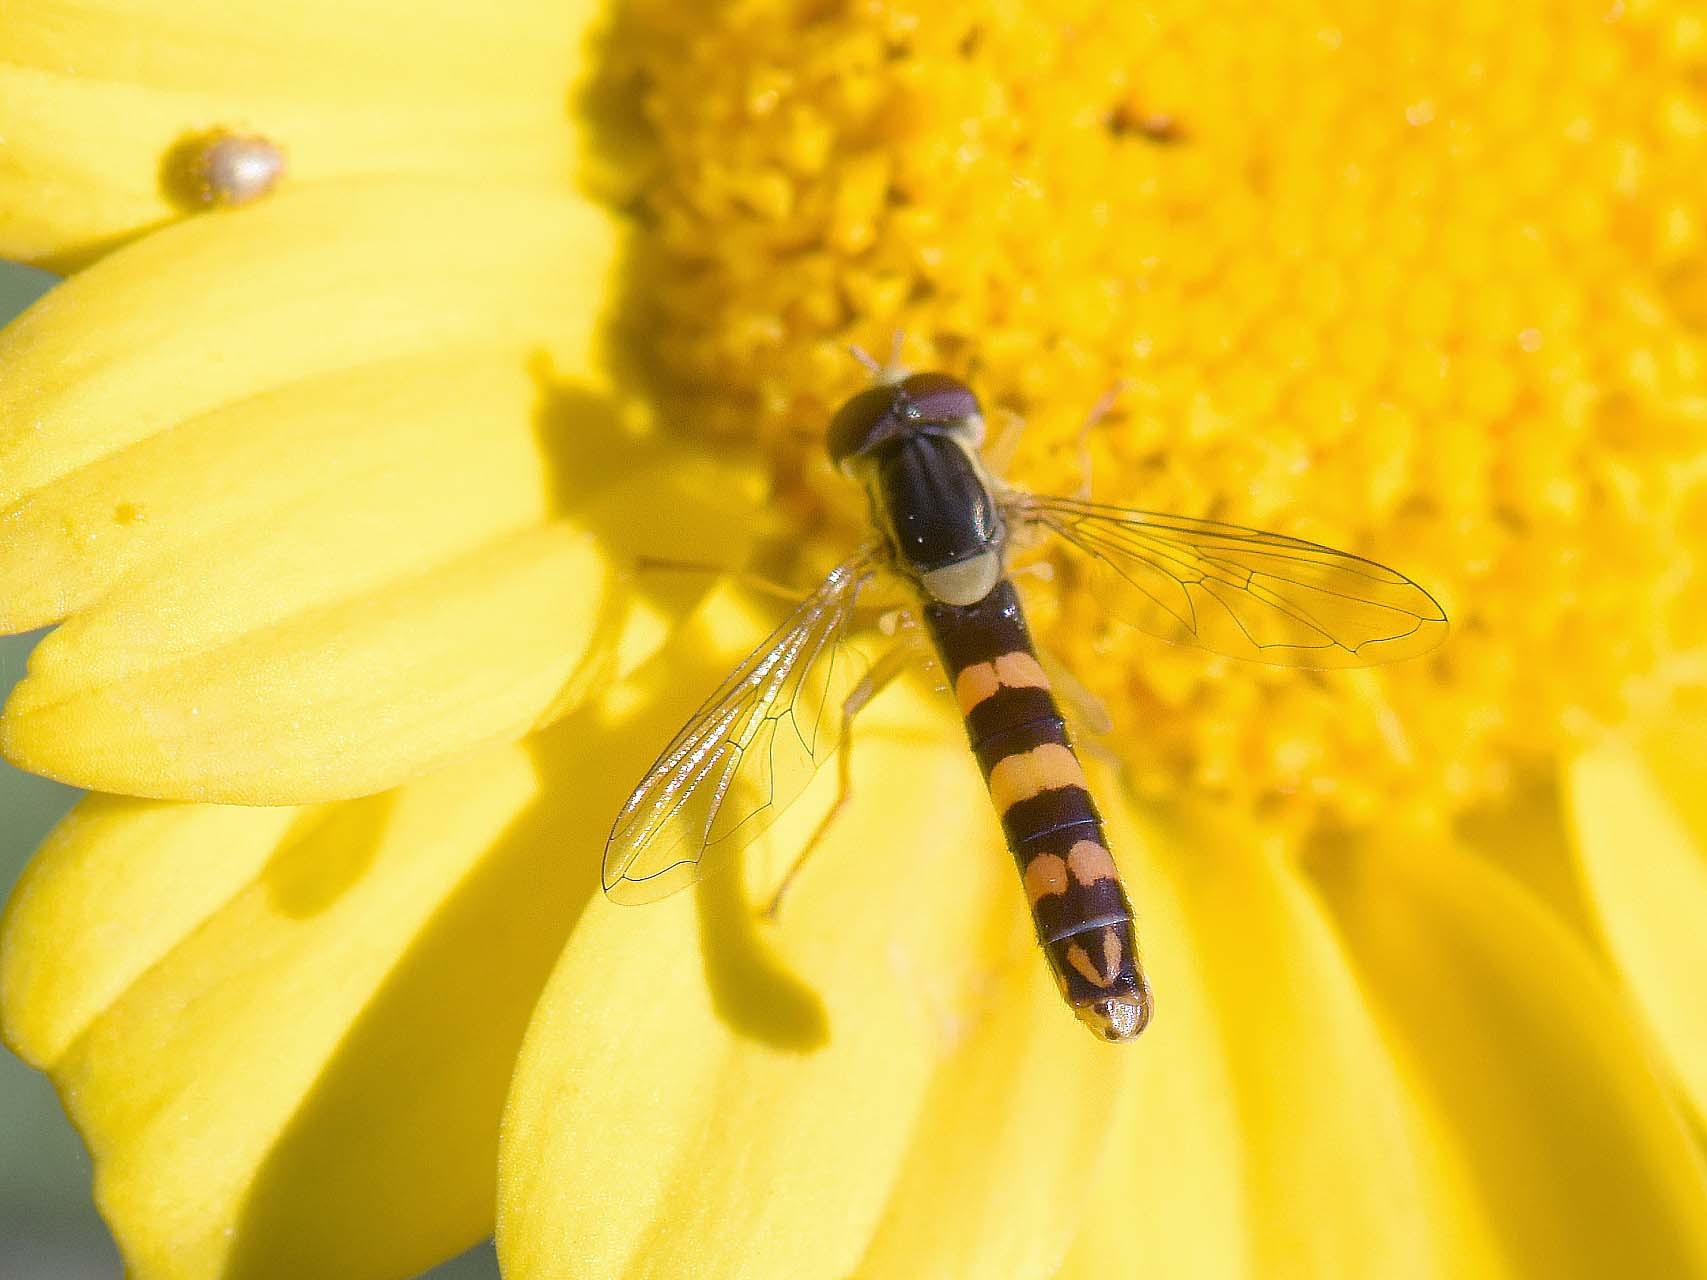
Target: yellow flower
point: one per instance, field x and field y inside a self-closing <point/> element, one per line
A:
<point x="337" y="493"/>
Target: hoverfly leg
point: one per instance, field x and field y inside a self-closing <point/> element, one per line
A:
<point x="1084" y="709"/>
<point x="881" y="674"/>
<point x="747" y="577"/>
<point x="903" y="624"/>
<point x="1093" y="419"/>
<point x="1004" y="443"/>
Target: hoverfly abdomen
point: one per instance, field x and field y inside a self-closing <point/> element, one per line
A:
<point x="1083" y="918"/>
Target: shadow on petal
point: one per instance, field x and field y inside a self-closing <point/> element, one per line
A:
<point x="387" y="1164"/>
<point x="751" y="987"/>
<point x="1523" y="833"/>
<point x="1639" y="826"/>
<point x="309" y="872"/>
<point x="406" y="1110"/>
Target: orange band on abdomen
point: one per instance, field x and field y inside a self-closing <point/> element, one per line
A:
<point x="1028" y="773"/>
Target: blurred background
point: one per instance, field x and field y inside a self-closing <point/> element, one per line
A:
<point x="49" y="1229"/>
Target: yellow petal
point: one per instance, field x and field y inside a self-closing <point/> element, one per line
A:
<point x="703" y="1093"/>
<point x="332" y="701"/>
<point x="95" y="100"/>
<point x="376" y="472"/>
<point x="1640" y="818"/>
<point x="1268" y="1130"/>
<point x="1529" y="1062"/>
<point x="218" y="310"/>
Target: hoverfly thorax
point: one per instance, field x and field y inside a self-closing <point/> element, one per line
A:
<point x="914" y="444"/>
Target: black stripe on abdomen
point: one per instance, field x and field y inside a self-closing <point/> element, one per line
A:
<point x="1083" y="918"/>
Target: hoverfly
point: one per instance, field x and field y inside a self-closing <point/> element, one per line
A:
<point x="945" y="526"/>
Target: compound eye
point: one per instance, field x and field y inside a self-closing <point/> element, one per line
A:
<point x="938" y="398"/>
<point x="861" y="423"/>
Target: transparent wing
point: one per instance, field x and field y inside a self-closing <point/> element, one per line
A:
<point x="1242" y="592"/>
<point x="746" y="754"/>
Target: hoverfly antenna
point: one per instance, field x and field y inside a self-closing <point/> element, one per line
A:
<point x="887" y="374"/>
<point x="1094" y="419"/>
<point x="897" y="340"/>
<point x="865" y="358"/>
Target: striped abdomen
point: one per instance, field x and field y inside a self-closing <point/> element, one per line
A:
<point x="1083" y="918"/>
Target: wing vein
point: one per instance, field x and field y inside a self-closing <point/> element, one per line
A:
<point x="1238" y="591"/>
<point x="730" y="771"/>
